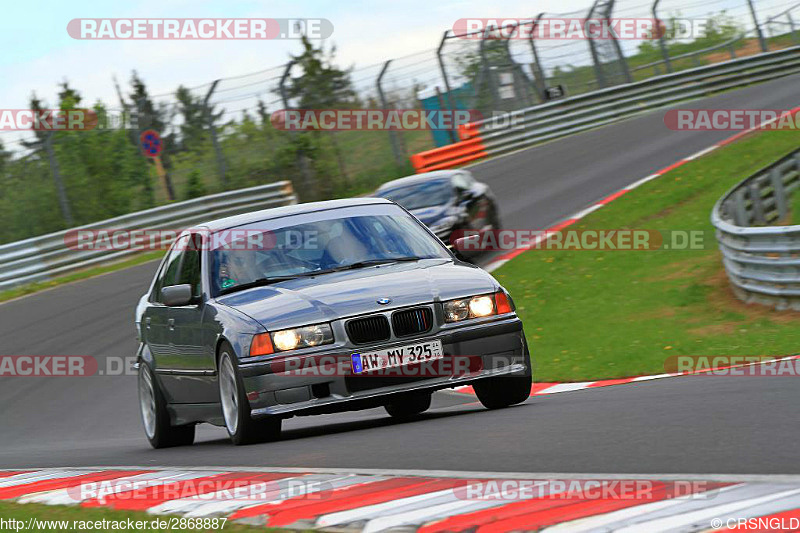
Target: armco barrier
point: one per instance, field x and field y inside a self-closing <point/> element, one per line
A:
<point x="41" y="258"/>
<point x="449" y="156"/>
<point x="762" y="258"/>
<point x="544" y="122"/>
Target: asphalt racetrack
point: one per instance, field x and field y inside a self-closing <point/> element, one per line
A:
<point x="679" y="425"/>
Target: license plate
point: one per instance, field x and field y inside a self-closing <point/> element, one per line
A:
<point x="397" y="356"/>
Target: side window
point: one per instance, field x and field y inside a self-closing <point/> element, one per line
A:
<point x="169" y="271"/>
<point x="190" y="267"/>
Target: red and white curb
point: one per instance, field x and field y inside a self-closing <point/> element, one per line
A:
<point x="500" y="260"/>
<point x="435" y="502"/>
<point x="541" y="389"/>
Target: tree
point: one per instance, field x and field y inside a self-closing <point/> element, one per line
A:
<point x="192" y="130"/>
<point x="194" y="185"/>
<point x="322" y="86"/>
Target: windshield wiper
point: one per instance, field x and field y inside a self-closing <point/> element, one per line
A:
<point x="277" y="279"/>
<point x="374" y="262"/>
<point x="260" y="282"/>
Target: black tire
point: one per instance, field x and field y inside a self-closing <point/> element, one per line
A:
<point x="409" y="406"/>
<point x="504" y="391"/>
<point x="159" y="431"/>
<point x="242" y="428"/>
<point x="494" y="219"/>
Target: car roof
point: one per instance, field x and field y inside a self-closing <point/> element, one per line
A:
<point x="285" y="211"/>
<point x="418" y="178"/>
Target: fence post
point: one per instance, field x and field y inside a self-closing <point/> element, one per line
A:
<point x="598" y="67"/>
<point x="539" y="77"/>
<point x="399" y="156"/>
<point x="487" y="69"/>
<point x="452" y="133"/>
<point x="756" y="204"/>
<point x="791" y="26"/>
<point x="63" y="201"/>
<point x="780" y="192"/>
<point x="662" y="41"/>
<point x="309" y="187"/>
<point x="761" y="41"/>
<point x="221" y="166"/>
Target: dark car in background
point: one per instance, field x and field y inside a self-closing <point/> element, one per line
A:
<point x="445" y="201"/>
<point x="317" y="308"/>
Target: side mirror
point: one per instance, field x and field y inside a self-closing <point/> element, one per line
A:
<point x="464" y="250"/>
<point x="177" y="295"/>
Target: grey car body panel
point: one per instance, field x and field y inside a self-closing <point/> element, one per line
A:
<point x="181" y="343"/>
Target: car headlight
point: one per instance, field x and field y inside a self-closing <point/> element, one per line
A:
<point x="291" y="339"/>
<point x="476" y="307"/>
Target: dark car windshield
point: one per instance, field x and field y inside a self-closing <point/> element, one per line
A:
<point x="254" y="257"/>
<point x="419" y="195"/>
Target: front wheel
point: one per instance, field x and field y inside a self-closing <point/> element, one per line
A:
<point x="157" y="427"/>
<point x="242" y="428"/>
<point x="503" y="391"/>
<point x="408" y="406"/>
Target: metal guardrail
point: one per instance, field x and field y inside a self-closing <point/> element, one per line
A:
<point x="544" y="122"/>
<point x="42" y="258"/>
<point x="761" y="257"/>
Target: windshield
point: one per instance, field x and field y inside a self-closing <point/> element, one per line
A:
<point x="419" y="195"/>
<point x="318" y="247"/>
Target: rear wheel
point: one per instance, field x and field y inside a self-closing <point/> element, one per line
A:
<point x="408" y="406"/>
<point x="242" y="428"/>
<point x="157" y="427"/>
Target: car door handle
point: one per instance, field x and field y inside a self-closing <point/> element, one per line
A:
<point x="171" y="324"/>
<point x="147" y="322"/>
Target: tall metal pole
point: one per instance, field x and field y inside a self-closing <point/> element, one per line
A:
<point x="450" y="103"/>
<point x="221" y="166"/>
<point x="615" y="41"/>
<point x="791" y="26"/>
<point x="309" y="187"/>
<point x="662" y="40"/>
<point x="399" y="156"/>
<point x="598" y="67"/>
<point x="761" y="40"/>
<point x="540" y="79"/>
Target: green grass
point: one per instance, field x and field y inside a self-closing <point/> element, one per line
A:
<point x="605" y="314"/>
<point x="25" y="512"/>
<point x="30" y="288"/>
<point x="794" y="207"/>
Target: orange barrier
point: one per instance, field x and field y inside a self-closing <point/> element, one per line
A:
<point x="468" y="131"/>
<point x="449" y="156"/>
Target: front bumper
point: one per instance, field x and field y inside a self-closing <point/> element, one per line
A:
<point x="494" y="349"/>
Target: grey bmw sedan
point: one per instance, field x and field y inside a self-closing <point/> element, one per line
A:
<point x="318" y="308"/>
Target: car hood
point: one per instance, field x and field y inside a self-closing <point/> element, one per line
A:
<point x="432" y="214"/>
<point x="353" y="292"/>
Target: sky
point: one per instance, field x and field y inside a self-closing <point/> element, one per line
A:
<point x="38" y="53"/>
